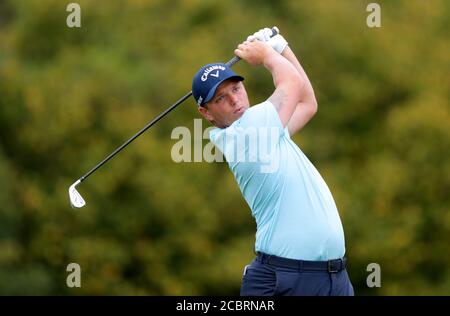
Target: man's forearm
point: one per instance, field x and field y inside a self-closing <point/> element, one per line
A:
<point x="307" y="106"/>
<point x="282" y="71"/>
<point x="308" y="92"/>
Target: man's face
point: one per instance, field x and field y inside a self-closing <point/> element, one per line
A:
<point x="227" y="105"/>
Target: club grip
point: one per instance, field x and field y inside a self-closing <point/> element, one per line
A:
<point x="235" y="59"/>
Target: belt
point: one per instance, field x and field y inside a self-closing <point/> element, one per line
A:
<point x="331" y="266"/>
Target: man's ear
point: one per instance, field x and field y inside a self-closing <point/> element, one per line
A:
<point x="205" y="113"/>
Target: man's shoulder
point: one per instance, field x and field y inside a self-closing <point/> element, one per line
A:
<point x="252" y="111"/>
<point x="255" y="112"/>
<point x="260" y="106"/>
<point x="258" y="115"/>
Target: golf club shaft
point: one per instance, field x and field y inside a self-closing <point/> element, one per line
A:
<point x="155" y="120"/>
<point x="230" y="63"/>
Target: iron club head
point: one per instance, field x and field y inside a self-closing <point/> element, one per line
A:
<point x="76" y="201"/>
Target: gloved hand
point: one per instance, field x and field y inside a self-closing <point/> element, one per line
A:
<point x="278" y="43"/>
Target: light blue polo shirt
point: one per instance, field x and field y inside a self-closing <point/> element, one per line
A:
<point x="295" y="213"/>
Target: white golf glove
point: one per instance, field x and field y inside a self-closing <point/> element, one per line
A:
<point x="278" y="43"/>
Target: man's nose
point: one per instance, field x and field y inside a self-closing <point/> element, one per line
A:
<point x="233" y="99"/>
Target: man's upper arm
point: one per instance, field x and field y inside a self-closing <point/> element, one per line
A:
<point x="301" y="116"/>
<point x="284" y="99"/>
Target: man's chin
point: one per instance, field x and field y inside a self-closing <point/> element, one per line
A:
<point x="239" y="114"/>
<point x="236" y="117"/>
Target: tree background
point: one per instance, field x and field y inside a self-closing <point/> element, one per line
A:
<point x="70" y="96"/>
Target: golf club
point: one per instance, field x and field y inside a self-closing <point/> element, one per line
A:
<point x="76" y="200"/>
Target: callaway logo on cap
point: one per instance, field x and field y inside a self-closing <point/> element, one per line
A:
<point x="208" y="71"/>
<point x="207" y="80"/>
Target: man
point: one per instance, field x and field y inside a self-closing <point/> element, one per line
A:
<point x="299" y="240"/>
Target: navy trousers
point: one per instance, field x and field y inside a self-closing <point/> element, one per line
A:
<point x="270" y="275"/>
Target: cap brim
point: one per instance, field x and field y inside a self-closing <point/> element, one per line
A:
<point x="212" y="92"/>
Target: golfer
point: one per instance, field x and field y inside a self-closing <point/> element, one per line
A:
<point x="300" y="246"/>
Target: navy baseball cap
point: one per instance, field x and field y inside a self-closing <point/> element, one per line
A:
<point x="208" y="78"/>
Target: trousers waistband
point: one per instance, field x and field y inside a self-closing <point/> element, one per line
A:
<point x="331" y="266"/>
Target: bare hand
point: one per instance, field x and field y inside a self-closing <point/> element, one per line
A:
<point x="254" y="52"/>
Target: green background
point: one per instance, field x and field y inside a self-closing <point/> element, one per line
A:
<point x="70" y="96"/>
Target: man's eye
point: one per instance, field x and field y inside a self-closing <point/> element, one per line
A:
<point x="219" y="99"/>
<point x="236" y="89"/>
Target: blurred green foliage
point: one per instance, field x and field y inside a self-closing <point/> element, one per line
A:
<point x="69" y="96"/>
